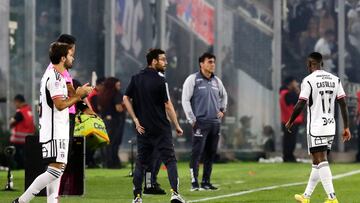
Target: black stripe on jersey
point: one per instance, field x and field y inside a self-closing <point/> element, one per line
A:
<point x="309" y="106"/>
<point x="49" y="100"/>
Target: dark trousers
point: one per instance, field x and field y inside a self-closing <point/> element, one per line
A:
<point x="146" y="145"/>
<point x="204" y="142"/>
<point x="19" y="156"/>
<point x="289" y="142"/>
<point x="153" y="171"/>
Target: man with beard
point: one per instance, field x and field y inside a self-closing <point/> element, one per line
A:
<point x="147" y="101"/>
<point x="54" y="122"/>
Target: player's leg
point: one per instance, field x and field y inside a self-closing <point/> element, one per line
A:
<point x="57" y="159"/>
<point x="62" y="149"/>
<point x="210" y="149"/>
<point x="165" y="147"/>
<point x="143" y="161"/>
<point x="325" y="172"/>
<point x="52" y="189"/>
<point x="314" y="177"/>
<point x="151" y="185"/>
<point x="319" y="155"/>
<point x="198" y="144"/>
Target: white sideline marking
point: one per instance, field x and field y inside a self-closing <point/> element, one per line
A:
<point x="270" y="188"/>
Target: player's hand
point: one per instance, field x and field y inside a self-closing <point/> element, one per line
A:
<point x="139" y="128"/>
<point x="179" y="131"/>
<point x="288" y="126"/>
<point x="84" y="90"/>
<point x="220" y="115"/>
<point x="346" y="135"/>
<point x="193" y="124"/>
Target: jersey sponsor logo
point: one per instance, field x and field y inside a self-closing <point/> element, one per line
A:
<point x="201" y="87"/>
<point x="327" y="121"/>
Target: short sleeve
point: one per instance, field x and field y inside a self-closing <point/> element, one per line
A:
<point x="305" y="90"/>
<point x="340" y="92"/>
<point x="56" y="88"/>
<point x="130" y="88"/>
<point x="164" y="92"/>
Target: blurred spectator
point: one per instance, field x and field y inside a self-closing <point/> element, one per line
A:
<point x="325" y="47"/>
<point x="111" y="109"/>
<point x="22" y="125"/>
<point x="300" y="12"/>
<point x="243" y="136"/>
<point x="288" y="98"/>
<point x="268" y="141"/>
<point x="326" y="22"/>
<point x="94" y="94"/>
<point x="309" y="37"/>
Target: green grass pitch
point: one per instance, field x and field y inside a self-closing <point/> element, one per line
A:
<point x="106" y="185"/>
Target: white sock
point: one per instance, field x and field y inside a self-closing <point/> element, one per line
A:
<point x="313" y="181"/>
<point x="39" y="183"/>
<point x="326" y="179"/>
<point x="52" y="189"/>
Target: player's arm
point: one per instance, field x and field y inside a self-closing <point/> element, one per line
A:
<point x="170" y="110"/>
<point x="187" y="93"/>
<point x="345" y="115"/>
<point x="81" y="92"/>
<point x="130" y="110"/>
<point x="223" y="99"/>
<point x="16" y="119"/>
<point x="296" y="112"/>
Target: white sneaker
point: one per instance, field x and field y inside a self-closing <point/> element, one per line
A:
<point x="137" y="199"/>
<point x="176" y="198"/>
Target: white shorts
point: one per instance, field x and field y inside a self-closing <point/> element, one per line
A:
<point x="319" y="143"/>
<point x="55" y="151"/>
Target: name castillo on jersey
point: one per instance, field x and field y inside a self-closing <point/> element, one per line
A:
<point x="325" y="84"/>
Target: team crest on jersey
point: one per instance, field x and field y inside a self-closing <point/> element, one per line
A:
<point x="57" y="84"/>
<point x="214" y="83"/>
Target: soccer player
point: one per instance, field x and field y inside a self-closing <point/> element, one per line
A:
<point x="319" y="91"/>
<point x="147" y="101"/>
<point x="54" y="122"/>
<point x="204" y="100"/>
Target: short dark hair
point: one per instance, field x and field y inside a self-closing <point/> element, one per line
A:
<point x="58" y="50"/>
<point x="206" y="55"/>
<point x="316" y="56"/>
<point x="100" y="80"/>
<point x="19" y="97"/>
<point x="288" y="80"/>
<point x="153" y="54"/>
<point x="66" y="38"/>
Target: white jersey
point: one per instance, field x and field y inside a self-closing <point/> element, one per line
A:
<point x="54" y="124"/>
<point x="320" y="89"/>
